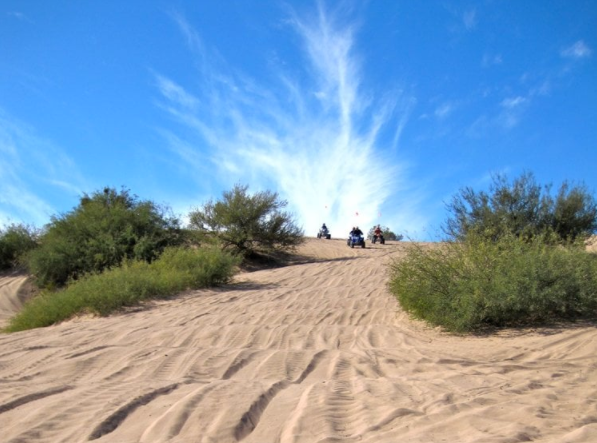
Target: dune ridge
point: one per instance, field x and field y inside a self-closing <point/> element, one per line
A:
<point x="315" y="352"/>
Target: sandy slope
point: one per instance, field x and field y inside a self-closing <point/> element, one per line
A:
<point x="316" y="352"/>
<point x="11" y="296"/>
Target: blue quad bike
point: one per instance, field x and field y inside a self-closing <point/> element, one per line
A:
<point x="356" y="240"/>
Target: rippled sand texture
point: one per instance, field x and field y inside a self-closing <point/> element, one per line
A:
<point x="314" y="352"/>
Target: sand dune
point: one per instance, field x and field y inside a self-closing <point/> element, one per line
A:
<point x="314" y="352"/>
<point x="12" y="296"/>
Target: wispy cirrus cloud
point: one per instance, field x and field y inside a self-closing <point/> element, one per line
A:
<point x="491" y="60"/>
<point x="512" y="108"/>
<point x="469" y="19"/>
<point x="29" y="162"/>
<point x="577" y="51"/>
<point x="508" y="115"/>
<point x="444" y="110"/>
<point x="19" y="16"/>
<point x="175" y="93"/>
<point x="313" y="136"/>
<point x="514" y="102"/>
<point x="193" y="39"/>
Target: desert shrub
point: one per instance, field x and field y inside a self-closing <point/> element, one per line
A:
<point x="176" y="270"/>
<point x="103" y="230"/>
<point x="16" y="241"/>
<point x="463" y="286"/>
<point x="248" y="224"/>
<point x="387" y="233"/>
<point x="523" y="208"/>
<point x="573" y="213"/>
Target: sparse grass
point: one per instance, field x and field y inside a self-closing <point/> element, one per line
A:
<point x="177" y="270"/>
<point x="463" y="286"/>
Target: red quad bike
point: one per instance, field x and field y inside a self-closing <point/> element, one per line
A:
<point x="378" y="238"/>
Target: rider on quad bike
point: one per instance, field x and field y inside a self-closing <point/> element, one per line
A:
<point x="378" y="235"/>
<point x="356" y="238"/>
<point x="324" y="232"/>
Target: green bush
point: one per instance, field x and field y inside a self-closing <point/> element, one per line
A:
<point x="522" y="208"/>
<point x="102" y="231"/>
<point x="177" y="270"/>
<point x="16" y="241"/>
<point x="248" y="224"/>
<point x="463" y="286"/>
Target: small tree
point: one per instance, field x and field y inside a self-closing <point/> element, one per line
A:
<point x="522" y="208"/>
<point x="574" y="213"/>
<point x="105" y="228"/>
<point x="15" y="242"/>
<point x="386" y="232"/>
<point x="249" y="224"/>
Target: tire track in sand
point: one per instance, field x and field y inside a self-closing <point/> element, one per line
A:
<point x="250" y="419"/>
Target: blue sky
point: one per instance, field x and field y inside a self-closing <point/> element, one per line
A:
<point x="355" y="112"/>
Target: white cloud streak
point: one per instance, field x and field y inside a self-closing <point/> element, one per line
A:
<point x="577" y="51"/>
<point x="491" y="60"/>
<point x="28" y="161"/>
<point x="176" y="94"/>
<point x="318" y="142"/>
<point x="444" y="110"/>
<point x="193" y="39"/>
<point x="404" y="114"/>
<point x="469" y="18"/>
<point x="19" y="16"/>
<point x="514" y="102"/>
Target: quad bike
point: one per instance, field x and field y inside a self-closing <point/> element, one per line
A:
<point x="378" y="237"/>
<point x="356" y="240"/>
<point x="324" y="233"/>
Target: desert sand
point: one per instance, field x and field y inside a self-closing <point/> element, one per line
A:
<point x="12" y="296"/>
<point x="319" y="351"/>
